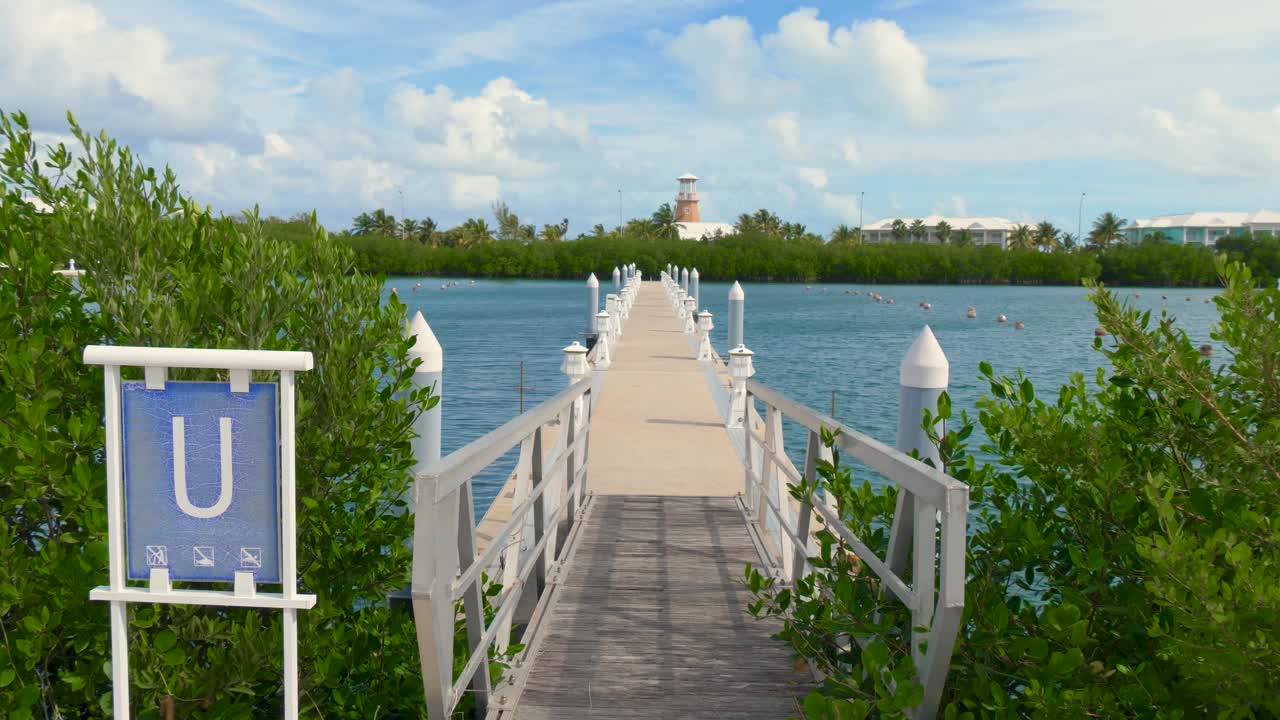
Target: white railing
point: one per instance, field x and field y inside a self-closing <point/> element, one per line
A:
<point x="934" y="511"/>
<point x="446" y="567"/>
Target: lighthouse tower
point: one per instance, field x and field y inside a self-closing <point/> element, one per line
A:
<point x="687" y="200"/>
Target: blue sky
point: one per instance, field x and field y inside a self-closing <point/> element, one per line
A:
<point x="1009" y="108"/>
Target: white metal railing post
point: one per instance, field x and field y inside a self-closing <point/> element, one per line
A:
<point x="923" y="377"/>
<point x="705" y="326"/>
<point x="603" y="341"/>
<point x="741" y="368"/>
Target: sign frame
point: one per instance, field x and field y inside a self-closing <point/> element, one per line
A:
<point x="239" y="365"/>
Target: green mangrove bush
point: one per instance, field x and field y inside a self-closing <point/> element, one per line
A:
<point x="163" y="271"/>
<point x="1124" y="556"/>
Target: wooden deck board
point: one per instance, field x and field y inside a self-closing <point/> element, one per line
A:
<point x="659" y="628"/>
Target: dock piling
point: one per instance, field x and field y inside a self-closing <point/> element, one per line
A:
<point x="922" y="378"/>
<point x="737" y="303"/>
<point x="593" y="303"/>
<point x="617" y="280"/>
<point x="694" y="290"/>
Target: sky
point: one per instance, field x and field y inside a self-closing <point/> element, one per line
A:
<point x="822" y="112"/>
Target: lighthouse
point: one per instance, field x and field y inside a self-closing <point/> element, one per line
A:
<point x="687" y="199"/>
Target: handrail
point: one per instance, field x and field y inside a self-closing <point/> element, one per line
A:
<point x="446" y="567"/>
<point x="935" y="517"/>
<point x="461" y="464"/>
<point x="916" y="477"/>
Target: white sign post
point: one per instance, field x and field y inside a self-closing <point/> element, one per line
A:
<point x="200" y="488"/>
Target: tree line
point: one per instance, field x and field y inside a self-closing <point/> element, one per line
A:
<point x="764" y="247"/>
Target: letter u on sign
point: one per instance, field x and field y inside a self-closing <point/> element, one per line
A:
<point x="180" y="470"/>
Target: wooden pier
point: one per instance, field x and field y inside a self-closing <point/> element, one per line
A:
<point x="641" y="493"/>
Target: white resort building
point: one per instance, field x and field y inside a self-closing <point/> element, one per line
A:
<point x="1201" y="228"/>
<point x="982" y="230"/>
<point x="689" y="218"/>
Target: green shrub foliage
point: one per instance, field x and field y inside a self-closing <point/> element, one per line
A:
<point x="1124" y="556"/>
<point x="761" y="254"/>
<point x="163" y="271"/>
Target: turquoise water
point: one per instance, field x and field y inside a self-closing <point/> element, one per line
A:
<point x="806" y="343"/>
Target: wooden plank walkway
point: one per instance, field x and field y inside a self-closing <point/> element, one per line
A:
<point x="647" y="616"/>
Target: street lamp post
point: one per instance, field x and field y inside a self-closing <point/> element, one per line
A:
<point x="401" y="191"/>
<point x="861" y="195"/>
<point x="1080" y="220"/>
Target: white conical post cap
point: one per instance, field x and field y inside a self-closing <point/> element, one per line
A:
<point x="694" y="275"/>
<point x="735" y="292"/>
<point x="425" y="346"/>
<point x="925" y="365"/>
<point x="592" y="281"/>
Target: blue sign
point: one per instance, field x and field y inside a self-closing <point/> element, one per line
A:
<point x="202" y="481"/>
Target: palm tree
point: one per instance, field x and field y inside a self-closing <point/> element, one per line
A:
<point x="1021" y="238"/>
<point x="508" y="222"/>
<point x="943" y="231"/>
<point x="409" y="228"/>
<point x="664" y="221"/>
<point x="963" y="238"/>
<point x="845" y="236"/>
<point x="598" y="231"/>
<point x="792" y="231"/>
<point x="1159" y="236"/>
<point x="918" y="231"/>
<point x="427" y="231"/>
<point x="1046" y="236"/>
<point x="767" y="222"/>
<point x="383" y="223"/>
<point x="1108" y="228"/>
<point x="552" y="233"/>
<point x="475" y="231"/>
<point x="363" y="224"/>
<point x="898" y="230"/>
<point x="1069" y="241"/>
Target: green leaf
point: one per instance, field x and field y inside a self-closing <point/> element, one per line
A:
<point x="165" y="639"/>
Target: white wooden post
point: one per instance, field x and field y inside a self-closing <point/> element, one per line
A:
<point x="923" y="377"/>
<point x="801" y="556"/>
<point x="617" y="280"/>
<point x="593" y="303"/>
<point x="694" y="289"/>
<point x="737" y="303"/>
<point x="429" y="373"/>
<point x="684" y="280"/>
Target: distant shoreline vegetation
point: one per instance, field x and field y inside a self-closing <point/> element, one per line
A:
<point x="765" y="249"/>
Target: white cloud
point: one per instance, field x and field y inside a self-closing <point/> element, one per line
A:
<point x="817" y="177"/>
<point x="850" y="151"/>
<point x="1212" y="137"/>
<point x="844" y="207"/>
<point x="868" y="65"/>
<point x="57" y="55"/>
<point x="724" y="57"/>
<point x="503" y="129"/>
<point x="785" y="127"/>
<point x="473" y="192"/>
<point x="955" y="205"/>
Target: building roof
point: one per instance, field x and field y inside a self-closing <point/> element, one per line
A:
<point x="1207" y="219"/>
<point x="980" y="222"/>
<point x="688" y="176"/>
<point x="703" y="230"/>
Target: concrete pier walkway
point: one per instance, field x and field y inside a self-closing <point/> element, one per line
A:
<point x="656" y="430"/>
<point x="646" y="617"/>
